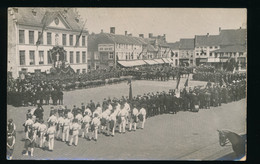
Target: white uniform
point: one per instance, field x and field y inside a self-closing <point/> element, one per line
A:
<point x="60" y="122"/>
<point x="52" y="120"/>
<point x="135" y="114"/>
<point x="123" y="115"/>
<point x="86" y="121"/>
<point x="95" y="122"/>
<point x="51" y="132"/>
<point x="88" y="111"/>
<point x="66" y="128"/>
<point x="70" y="116"/>
<point x="75" y="134"/>
<point x="112" y="117"/>
<point x="42" y="129"/>
<point x="143" y="113"/>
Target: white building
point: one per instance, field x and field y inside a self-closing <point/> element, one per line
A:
<point x="63" y="27"/>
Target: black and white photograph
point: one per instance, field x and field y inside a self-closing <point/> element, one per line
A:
<point x="93" y="83"/>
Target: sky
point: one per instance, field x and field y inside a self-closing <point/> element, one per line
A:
<point x="176" y="23"/>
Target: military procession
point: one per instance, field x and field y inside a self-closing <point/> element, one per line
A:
<point x="114" y="116"/>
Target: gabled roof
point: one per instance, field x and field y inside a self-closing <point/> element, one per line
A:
<point x="235" y="48"/>
<point x="175" y="45"/>
<point x="187" y="44"/>
<point x="207" y="40"/>
<point x="233" y="37"/>
<point x="25" y="16"/>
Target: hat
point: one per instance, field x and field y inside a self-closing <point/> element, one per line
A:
<point x="10" y="120"/>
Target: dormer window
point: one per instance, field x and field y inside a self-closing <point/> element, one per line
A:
<point x="77" y="19"/>
<point x="34" y="12"/>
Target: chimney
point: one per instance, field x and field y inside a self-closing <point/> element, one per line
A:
<point x="164" y="37"/>
<point x="219" y="29"/>
<point x="125" y="33"/>
<point x="112" y="30"/>
<point x="240" y="27"/>
<point x="141" y="35"/>
<point x="207" y="34"/>
<point x="102" y="31"/>
<point x="150" y="35"/>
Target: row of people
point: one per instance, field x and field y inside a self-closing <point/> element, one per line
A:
<point x="66" y="126"/>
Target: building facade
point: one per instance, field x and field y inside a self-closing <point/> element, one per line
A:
<point x="61" y="27"/>
<point x="186" y="52"/>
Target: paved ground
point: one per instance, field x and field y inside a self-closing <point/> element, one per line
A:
<point x="184" y="136"/>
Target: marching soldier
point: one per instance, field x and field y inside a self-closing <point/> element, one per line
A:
<point x="134" y="118"/>
<point x="95" y="123"/>
<point x="52" y="120"/>
<point x="142" y="116"/>
<point x="36" y="131"/>
<point x="66" y="128"/>
<point x="74" y="132"/>
<point x="42" y="130"/>
<point x="86" y="125"/>
<point x="60" y="126"/>
<point x="51" y="133"/>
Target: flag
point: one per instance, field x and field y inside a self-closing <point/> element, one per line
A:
<point x="80" y="33"/>
<point x="47" y="18"/>
<point x="178" y="80"/>
<point x="186" y="82"/>
<point x="130" y="89"/>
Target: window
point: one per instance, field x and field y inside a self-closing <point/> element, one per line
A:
<point x="176" y="54"/>
<point x="210" y="54"/>
<point x="21" y="36"/>
<point x="32" y="57"/>
<point x="41" y="57"/>
<point x="210" y="47"/>
<point x="71" y="40"/>
<point x="64" y="39"/>
<point x="65" y="56"/>
<point x="40" y="37"/>
<point x="77" y="57"/>
<point x="49" y="57"/>
<point x="235" y="54"/>
<point x="77" y="40"/>
<point x="78" y="71"/>
<point x="191" y="61"/>
<point x="97" y="66"/>
<point x="176" y="62"/>
<point x="84" y="70"/>
<point x="22" y="57"/>
<point x="83" y="40"/>
<point x="197" y="54"/>
<point x="240" y="53"/>
<point x="89" y="67"/>
<point x="71" y="56"/>
<point x="111" y="55"/>
<point x="31" y="37"/>
<point x="216" y="46"/>
<point x="49" y="40"/>
<point x="205" y="54"/>
<point x="83" y="57"/>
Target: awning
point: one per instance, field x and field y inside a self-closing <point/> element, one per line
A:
<point x="151" y="62"/>
<point x="167" y="60"/>
<point x="160" y="61"/>
<point x="213" y="60"/>
<point x="131" y="63"/>
<point x="202" y="60"/>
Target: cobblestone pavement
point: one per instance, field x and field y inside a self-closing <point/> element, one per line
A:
<point x="184" y="136"/>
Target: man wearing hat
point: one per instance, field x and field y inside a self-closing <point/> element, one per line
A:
<point x="52" y="120"/>
<point x="134" y="119"/>
<point x="60" y="126"/>
<point x="36" y="130"/>
<point x="74" y="111"/>
<point x="88" y="111"/>
<point x="122" y="115"/>
<point x="28" y="122"/>
<point x="79" y="117"/>
<point x="39" y="112"/>
<point x="66" y="125"/>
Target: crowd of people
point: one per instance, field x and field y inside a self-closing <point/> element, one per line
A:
<point x="87" y="121"/>
<point x="118" y="115"/>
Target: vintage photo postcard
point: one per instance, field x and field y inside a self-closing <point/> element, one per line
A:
<point x="126" y="84"/>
